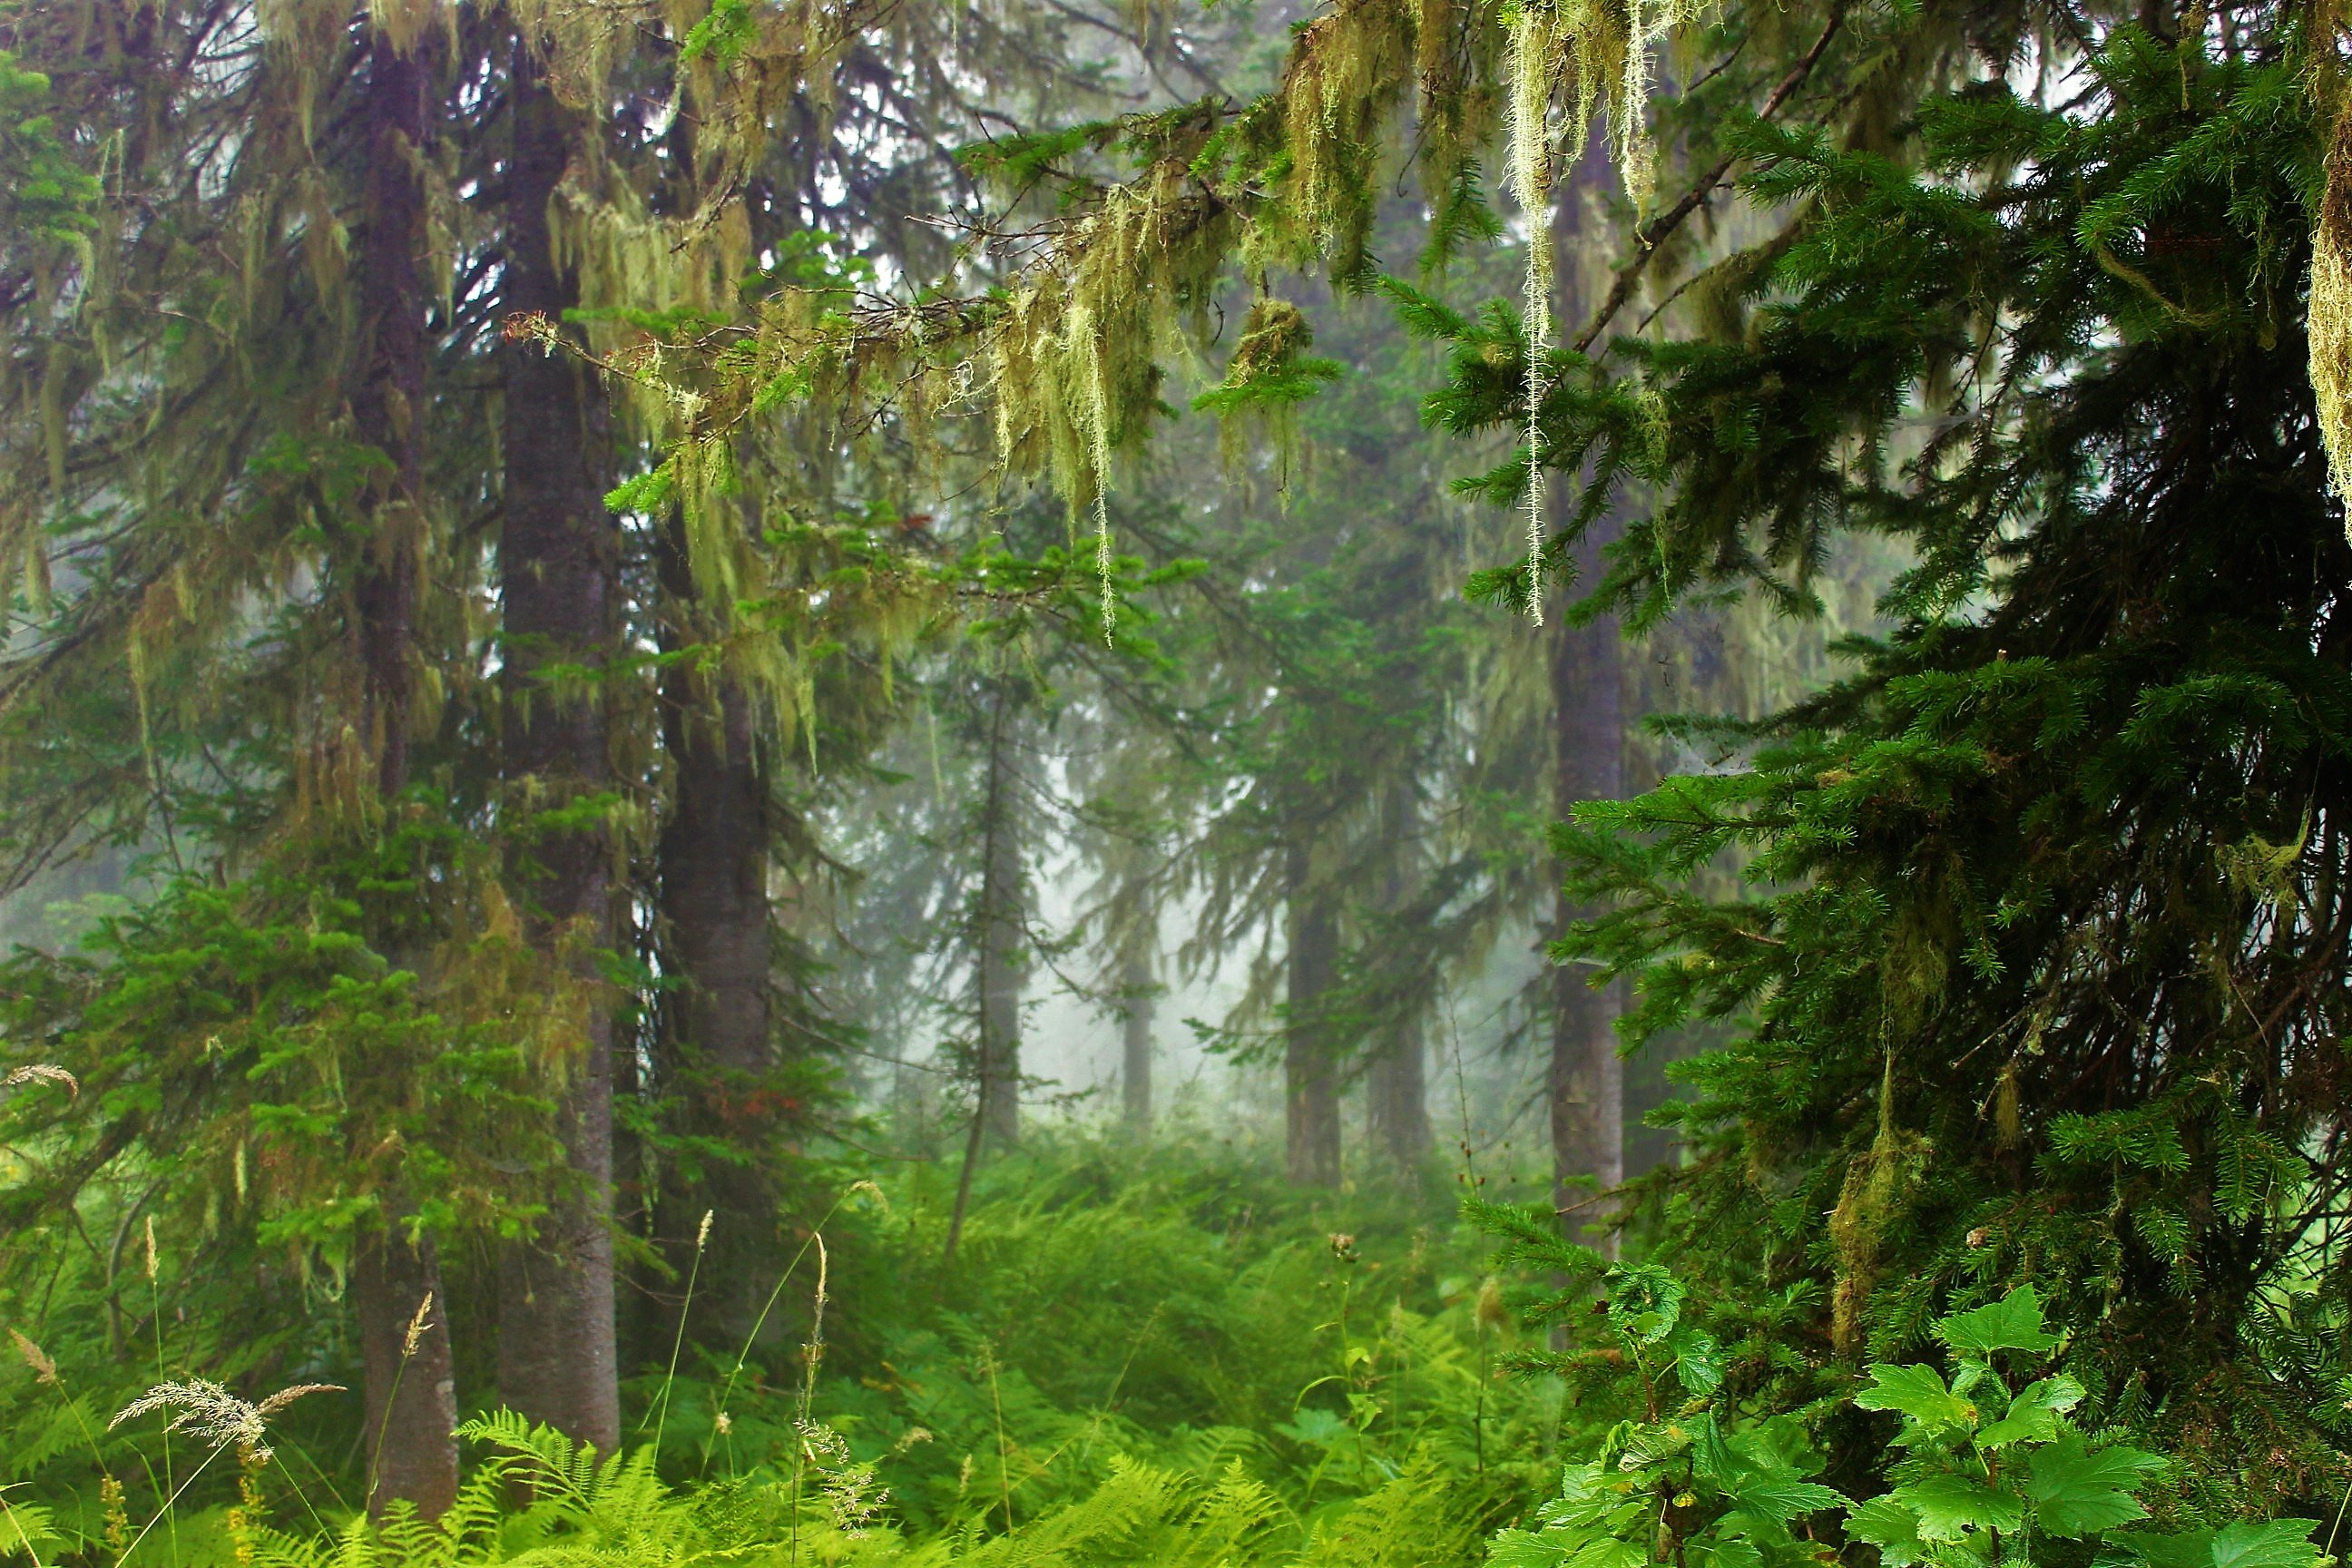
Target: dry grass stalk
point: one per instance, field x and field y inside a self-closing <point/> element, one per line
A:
<point x="44" y="1371"/>
<point x="42" y="1072"/>
<point x="212" y="1413"/>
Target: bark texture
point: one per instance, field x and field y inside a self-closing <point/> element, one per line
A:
<point x="1587" y="1078"/>
<point x="410" y="1396"/>
<point x="717" y="1029"/>
<point x="557" y="563"/>
<point x="1003" y="969"/>
<point x="409" y="1392"/>
<point x="388" y="411"/>
<point x="1309" y="1065"/>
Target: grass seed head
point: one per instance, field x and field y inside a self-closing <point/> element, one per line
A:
<point x="214" y="1415"/>
<point x="44" y="1371"/>
<point x="42" y="1072"/>
<point x="417" y="1327"/>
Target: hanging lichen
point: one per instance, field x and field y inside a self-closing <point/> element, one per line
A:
<point x="2330" y="329"/>
<point x="1533" y="61"/>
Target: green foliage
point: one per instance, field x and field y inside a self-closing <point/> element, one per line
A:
<point x="583" y="1510"/>
<point x="1135" y="1357"/>
<point x="45" y="193"/>
<point x="1175" y="1308"/>
<point x="2018" y="992"/>
<point x="1979" y="1472"/>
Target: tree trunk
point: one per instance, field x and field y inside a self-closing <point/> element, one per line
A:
<point x="413" y="1450"/>
<point x="1310" y="1072"/>
<point x="1587" y="1078"/>
<point x="557" y="563"/>
<point x="1397" y="1097"/>
<point x="409" y="1394"/>
<point x="1135" y="1040"/>
<point x="1002" y="967"/>
<point x="715" y="945"/>
<point x="1396" y="1083"/>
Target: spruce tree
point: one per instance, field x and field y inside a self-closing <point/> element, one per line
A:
<point x="2037" y="967"/>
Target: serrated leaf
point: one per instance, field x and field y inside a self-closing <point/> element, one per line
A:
<point x="2077" y="1491"/>
<point x="1728" y="1552"/>
<point x="1782" y="1499"/>
<point x="1698" y="1362"/>
<point x="1607" y="1553"/>
<point x="2035" y="1416"/>
<point x="2011" y="1323"/>
<point x="1528" y="1548"/>
<point x="1917" y="1392"/>
<point x="2274" y="1544"/>
<point x="1711" y="1458"/>
<point x="2189" y="1548"/>
<point x="1948" y="1506"/>
<point x="1888" y="1525"/>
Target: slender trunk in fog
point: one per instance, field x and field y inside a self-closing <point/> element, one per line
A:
<point x="1003" y="969"/>
<point x="1310" y="1070"/>
<point x="1135" y="1040"/>
<point x="410" y="1397"/>
<point x="558" y="558"/>
<point x="1396" y="1099"/>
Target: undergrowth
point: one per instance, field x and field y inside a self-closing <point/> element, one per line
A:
<point x="1136" y="1355"/>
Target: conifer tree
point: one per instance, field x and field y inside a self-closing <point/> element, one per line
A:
<point x="2037" y="965"/>
<point x="558" y="561"/>
<point x="411" y="1393"/>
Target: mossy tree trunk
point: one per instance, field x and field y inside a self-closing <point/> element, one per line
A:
<point x="557" y="566"/>
<point x="717" y="1036"/>
<point x="409" y="1392"/>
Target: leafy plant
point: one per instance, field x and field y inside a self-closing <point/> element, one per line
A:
<point x="1984" y="1470"/>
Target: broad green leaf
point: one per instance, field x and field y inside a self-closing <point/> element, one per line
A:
<point x="2035" y="1414"/>
<point x="1605" y="1553"/>
<point x="1950" y="1506"/>
<point x="1528" y="1548"/>
<point x="1711" y="1458"/>
<point x="1698" y="1362"/>
<point x="1780" y="1499"/>
<point x="1726" y="1552"/>
<point x="1891" y="1527"/>
<point x="2011" y="1323"/>
<point x="2189" y="1549"/>
<point x="1593" y="1499"/>
<point x="2077" y="1491"/>
<point x="2275" y="1543"/>
<point x="1917" y="1392"/>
